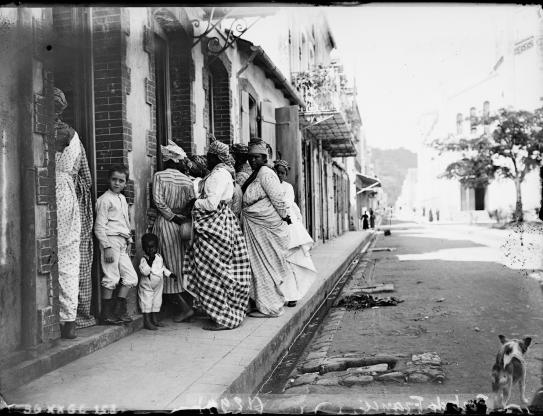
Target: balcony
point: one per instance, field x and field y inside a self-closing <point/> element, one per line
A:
<point x="329" y="108"/>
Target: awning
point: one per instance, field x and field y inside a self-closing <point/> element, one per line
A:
<point x="366" y="183"/>
<point x="332" y="129"/>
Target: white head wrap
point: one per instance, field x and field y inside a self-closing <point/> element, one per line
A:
<point x="172" y="152"/>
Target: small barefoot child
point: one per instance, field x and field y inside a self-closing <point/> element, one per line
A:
<point x="112" y="228"/>
<point x="150" y="288"/>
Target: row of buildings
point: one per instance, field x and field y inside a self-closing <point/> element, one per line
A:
<point x="136" y="77"/>
<point x="514" y="80"/>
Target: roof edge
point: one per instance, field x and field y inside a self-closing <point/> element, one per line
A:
<point x="275" y="72"/>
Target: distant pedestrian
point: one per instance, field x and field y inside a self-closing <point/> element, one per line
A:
<point x="112" y="229"/>
<point x="152" y="281"/>
<point x="365" y="218"/>
<point x="437" y="215"/>
<point x="372" y="219"/>
<point x="430" y="215"/>
<point x="297" y="283"/>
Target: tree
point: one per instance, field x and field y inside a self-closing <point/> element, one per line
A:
<point x="512" y="150"/>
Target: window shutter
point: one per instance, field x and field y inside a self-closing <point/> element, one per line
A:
<point x="267" y="124"/>
<point x="244" y="127"/>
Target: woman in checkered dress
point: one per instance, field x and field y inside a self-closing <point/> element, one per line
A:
<point x="217" y="265"/>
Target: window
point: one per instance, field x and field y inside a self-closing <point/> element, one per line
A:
<point x="162" y="88"/>
<point x="473" y="120"/>
<point x="210" y="104"/>
<point x="218" y="102"/>
<point x="480" y="198"/>
<point x="459" y="121"/>
<point x="254" y="125"/>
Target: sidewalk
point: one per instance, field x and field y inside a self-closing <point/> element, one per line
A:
<point x="182" y="365"/>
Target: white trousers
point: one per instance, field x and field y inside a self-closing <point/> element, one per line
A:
<point x="150" y="293"/>
<point x="121" y="269"/>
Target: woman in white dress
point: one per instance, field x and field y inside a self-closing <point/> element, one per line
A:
<point x="297" y="283"/>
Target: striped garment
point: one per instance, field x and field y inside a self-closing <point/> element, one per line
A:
<point x="172" y="190"/>
<point x="83" y="183"/>
<point x="217" y="266"/>
<point x="264" y="206"/>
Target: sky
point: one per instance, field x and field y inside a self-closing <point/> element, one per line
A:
<point x="406" y="58"/>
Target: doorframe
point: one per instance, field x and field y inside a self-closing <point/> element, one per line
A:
<point x="162" y="94"/>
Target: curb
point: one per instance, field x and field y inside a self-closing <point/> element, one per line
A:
<point x="256" y="372"/>
<point x="65" y="352"/>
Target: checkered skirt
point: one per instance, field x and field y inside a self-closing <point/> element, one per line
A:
<point x="217" y="266"/>
<point x="83" y="183"/>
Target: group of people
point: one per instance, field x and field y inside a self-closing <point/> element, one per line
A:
<point x="234" y="238"/>
<point x="368" y="220"/>
<point x="227" y="244"/>
<point x="228" y="240"/>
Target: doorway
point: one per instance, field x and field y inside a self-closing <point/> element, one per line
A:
<point x="73" y="73"/>
<point x="308" y="168"/>
<point x="480" y="198"/>
<point x="163" y="126"/>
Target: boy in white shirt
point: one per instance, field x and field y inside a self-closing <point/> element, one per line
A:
<point x="150" y="288"/>
<point x="112" y="228"/>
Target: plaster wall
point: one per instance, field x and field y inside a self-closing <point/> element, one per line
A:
<point x="138" y="114"/>
<point x="10" y="218"/>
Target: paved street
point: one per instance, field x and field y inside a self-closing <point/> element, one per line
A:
<point x="458" y="296"/>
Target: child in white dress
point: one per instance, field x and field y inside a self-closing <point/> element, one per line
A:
<point x="151" y="283"/>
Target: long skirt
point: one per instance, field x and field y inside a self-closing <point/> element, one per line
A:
<point x="302" y="270"/>
<point x="267" y="241"/>
<point x="69" y="229"/>
<point x="217" y="267"/>
<point x="86" y="252"/>
<point x="173" y="251"/>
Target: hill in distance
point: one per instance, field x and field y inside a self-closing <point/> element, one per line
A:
<point x="390" y="167"/>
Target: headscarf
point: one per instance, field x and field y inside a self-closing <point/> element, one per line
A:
<point x="221" y="150"/>
<point x="239" y="149"/>
<point x="60" y="101"/>
<point x="258" y="147"/>
<point x="172" y="152"/>
<point x="198" y="168"/>
<point x="281" y="162"/>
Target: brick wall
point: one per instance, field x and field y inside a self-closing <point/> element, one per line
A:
<point x="63" y="65"/>
<point x="113" y="133"/>
<point x="183" y="114"/>
<point x="220" y="68"/>
<point x="43" y="124"/>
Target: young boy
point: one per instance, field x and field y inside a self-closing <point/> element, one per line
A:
<point x="112" y="228"/>
<point x="150" y="288"/>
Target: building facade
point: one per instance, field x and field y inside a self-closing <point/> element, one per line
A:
<point x="515" y="80"/>
<point x="134" y="78"/>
